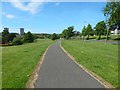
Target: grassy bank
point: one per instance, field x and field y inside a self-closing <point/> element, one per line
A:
<point x="18" y="62"/>
<point x="0" y="67"/>
<point x="98" y="57"/>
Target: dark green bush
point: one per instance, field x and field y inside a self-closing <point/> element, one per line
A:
<point x="28" y="37"/>
<point x="17" y="41"/>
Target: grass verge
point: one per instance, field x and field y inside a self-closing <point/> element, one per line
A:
<point x="100" y="58"/>
<point x="18" y="62"/>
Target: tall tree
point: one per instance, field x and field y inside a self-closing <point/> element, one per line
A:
<point x="100" y="29"/>
<point x="68" y="33"/>
<point x="84" y="33"/>
<point x="89" y="30"/>
<point x="64" y="33"/>
<point x="5" y="36"/>
<point x="112" y="12"/>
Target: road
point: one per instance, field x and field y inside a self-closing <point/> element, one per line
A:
<point x="59" y="71"/>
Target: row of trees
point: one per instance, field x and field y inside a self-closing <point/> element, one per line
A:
<point x="99" y="29"/>
<point x="7" y="37"/>
<point x="11" y="38"/>
<point x="111" y="12"/>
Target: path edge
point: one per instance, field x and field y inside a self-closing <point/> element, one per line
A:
<point x="32" y="79"/>
<point x="92" y="74"/>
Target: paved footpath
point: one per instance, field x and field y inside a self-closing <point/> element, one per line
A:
<point x="59" y="71"/>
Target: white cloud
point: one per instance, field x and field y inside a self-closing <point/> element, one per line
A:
<point x="31" y="7"/>
<point x="10" y="16"/>
<point x="57" y="4"/>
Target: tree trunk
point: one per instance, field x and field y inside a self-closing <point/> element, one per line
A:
<point x="99" y="37"/>
<point x="88" y="37"/>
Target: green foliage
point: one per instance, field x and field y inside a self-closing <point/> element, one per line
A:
<point x="89" y="31"/>
<point x="17" y="41"/>
<point x="84" y="33"/>
<point x="5" y="36"/>
<point x="11" y="36"/>
<point x="28" y="37"/>
<point x="68" y="33"/>
<point x="98" y="57"/>
<point x="54" y="36"/>
<point x="100" y="29"/>
<point x="18" y="62"/>
<point x="76" y="33"/>
<point x="112" y="13"/>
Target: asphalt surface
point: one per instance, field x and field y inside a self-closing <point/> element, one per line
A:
<point x="59" y="71"/>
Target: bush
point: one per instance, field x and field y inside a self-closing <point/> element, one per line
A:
<point x="17" y="41"/>
<point x="28" y="38"/>
<point x="54" y="36"/>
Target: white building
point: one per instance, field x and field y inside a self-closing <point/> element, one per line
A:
<point x="116" y="31"/>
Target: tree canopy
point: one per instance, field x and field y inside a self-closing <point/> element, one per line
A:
<point x="100" y="29"/>
<point x="5" y="36"/>
<point x="112" y="13"/>
<point x="28" y="38"/>
<point x="54" y="36"/>
<point x="68" y="33"/>
<point x="89" y="30"/>
<point x="84" y="31"/>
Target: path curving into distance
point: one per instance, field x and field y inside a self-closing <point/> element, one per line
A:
<point x="59" y="71"/>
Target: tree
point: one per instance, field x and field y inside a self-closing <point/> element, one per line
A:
<point x="111" y="12"/>
<point x="5" y="38"/>
<point x="68" y="33"/>
<point x="54" y="36"/>
<point x="11" y="36"/>
<point x="84" y="32"/>
<point x="28" y="38"/>
<point x="64" y="33"/>
<point x="89" y="30"/>
<point x="100" y="29"/>
<point x="76" y="33"/>
<point x="17" y="41"/>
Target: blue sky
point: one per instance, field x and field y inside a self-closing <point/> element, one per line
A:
<point x="50" y="17"/>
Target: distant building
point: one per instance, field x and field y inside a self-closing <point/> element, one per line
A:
<point x="116" y="31"/>
<point x="21" y="31"/>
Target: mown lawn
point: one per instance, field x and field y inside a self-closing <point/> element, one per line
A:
<point x="98" y="57"/>
<point x="0" y="67"/>
<point x="18" y="62"/>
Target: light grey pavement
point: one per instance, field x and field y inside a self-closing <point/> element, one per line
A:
<point x="59" y="71"/>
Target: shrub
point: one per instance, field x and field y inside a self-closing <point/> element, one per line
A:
<point x="17" y="41"/>
<point x="28" y="38"/>
<point x="54" y="36"/>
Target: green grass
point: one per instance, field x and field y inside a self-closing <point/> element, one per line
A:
<point x="18" y="62"/>
<point x="0" y="67"/>
<point x="103" y="37"/>
<point x="100" y="58"/>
